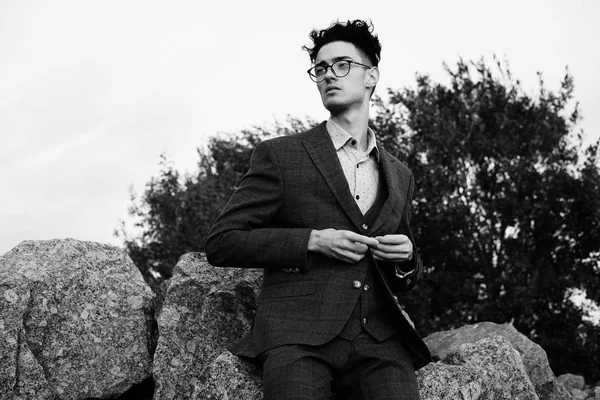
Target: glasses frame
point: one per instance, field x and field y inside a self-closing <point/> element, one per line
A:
<point x="314" y="78"/>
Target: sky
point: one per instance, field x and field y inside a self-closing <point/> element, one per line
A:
<point x="93" y="92"/>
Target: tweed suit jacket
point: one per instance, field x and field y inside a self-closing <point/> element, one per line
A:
<point x="296" y="184"/>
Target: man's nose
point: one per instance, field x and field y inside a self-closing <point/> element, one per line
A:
<point x="329" y="75"/>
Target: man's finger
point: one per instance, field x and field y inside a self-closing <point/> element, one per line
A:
<point x="389" y="256"/>
<point x="355" y="237"/>
<point x="394" y="248"/>
<point x="392" y="239"/>
<point x="358" y="247"/>
<point x="351" y="257"/>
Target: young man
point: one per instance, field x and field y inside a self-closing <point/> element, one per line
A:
<point x="326" y="214"/>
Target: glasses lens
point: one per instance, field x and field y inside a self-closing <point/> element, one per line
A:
<point x="341" y="68"/>
<point x="319" y="72"/>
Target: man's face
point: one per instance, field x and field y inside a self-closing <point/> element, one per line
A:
<point x="352" y="90"/>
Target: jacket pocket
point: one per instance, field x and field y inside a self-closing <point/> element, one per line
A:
<point x="288" y="289"/>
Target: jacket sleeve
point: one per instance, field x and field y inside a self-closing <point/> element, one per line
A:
<point x="395" y="270"/>
<point x="246" y="233"/>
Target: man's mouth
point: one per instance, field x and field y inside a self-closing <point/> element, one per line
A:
<point x="330" y="88"/>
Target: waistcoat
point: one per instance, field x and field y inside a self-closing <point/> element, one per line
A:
<point x="371" y="312"/>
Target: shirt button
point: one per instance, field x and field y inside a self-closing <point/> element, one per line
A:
<point x="367" y="287"/>
<point x="357" y="284"/>
<point x="365" y="226"/>
<point x="353" y="142"/>
<point x="357" y="197"/>
<point x="365" y="321"/>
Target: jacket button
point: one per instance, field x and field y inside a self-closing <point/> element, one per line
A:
<point x="365" y="226"/>
<point x="367" y="287"/>
<point x="365" y="321"/>
<point x="395" y="298"/>
<point x="357" y="284"/>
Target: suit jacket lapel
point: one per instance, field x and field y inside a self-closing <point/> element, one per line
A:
<point x="396" y="182"/>
<point x="321" y="150"/>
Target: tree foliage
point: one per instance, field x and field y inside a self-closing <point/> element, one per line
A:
<point x="507" y="205"/>
<point x="176" y="212"/>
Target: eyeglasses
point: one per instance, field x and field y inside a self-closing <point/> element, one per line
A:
<point x="339" y="68"/>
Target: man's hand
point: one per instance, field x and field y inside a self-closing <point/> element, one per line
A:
<point x="343" y="245"/>
<point x="393" y="248"/>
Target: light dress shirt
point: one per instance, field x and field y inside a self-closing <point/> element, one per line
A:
<point x="361" y="169"/>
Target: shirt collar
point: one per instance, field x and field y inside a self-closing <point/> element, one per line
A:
<point x="340" y="137"/>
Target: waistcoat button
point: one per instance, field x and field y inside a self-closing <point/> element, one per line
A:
<point x="357" y="284"/>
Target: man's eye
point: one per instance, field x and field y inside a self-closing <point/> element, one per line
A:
<point x="320" y="70"/>
<point x="342" y="65"/>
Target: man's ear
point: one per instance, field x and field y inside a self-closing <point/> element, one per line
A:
<point x="372" y="77"/>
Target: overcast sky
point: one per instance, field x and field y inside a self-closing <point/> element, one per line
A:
<point x="92" y="92"/>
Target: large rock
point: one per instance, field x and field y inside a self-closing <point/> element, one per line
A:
<point x="439" y="381"/>
<point x="572" y="381"/>
<point x="487" y="369"/>
<point x="74" y="320"/>
<point x="534" y="357"/>
<point x="575" y="384"/>
<point x="204" y="309"/>
<point x="228" y="377"/>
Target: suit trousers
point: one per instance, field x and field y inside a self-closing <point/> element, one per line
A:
<point x="341" y="369"/>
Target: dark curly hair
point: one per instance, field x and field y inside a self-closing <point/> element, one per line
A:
<point x="357" y="32"/>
